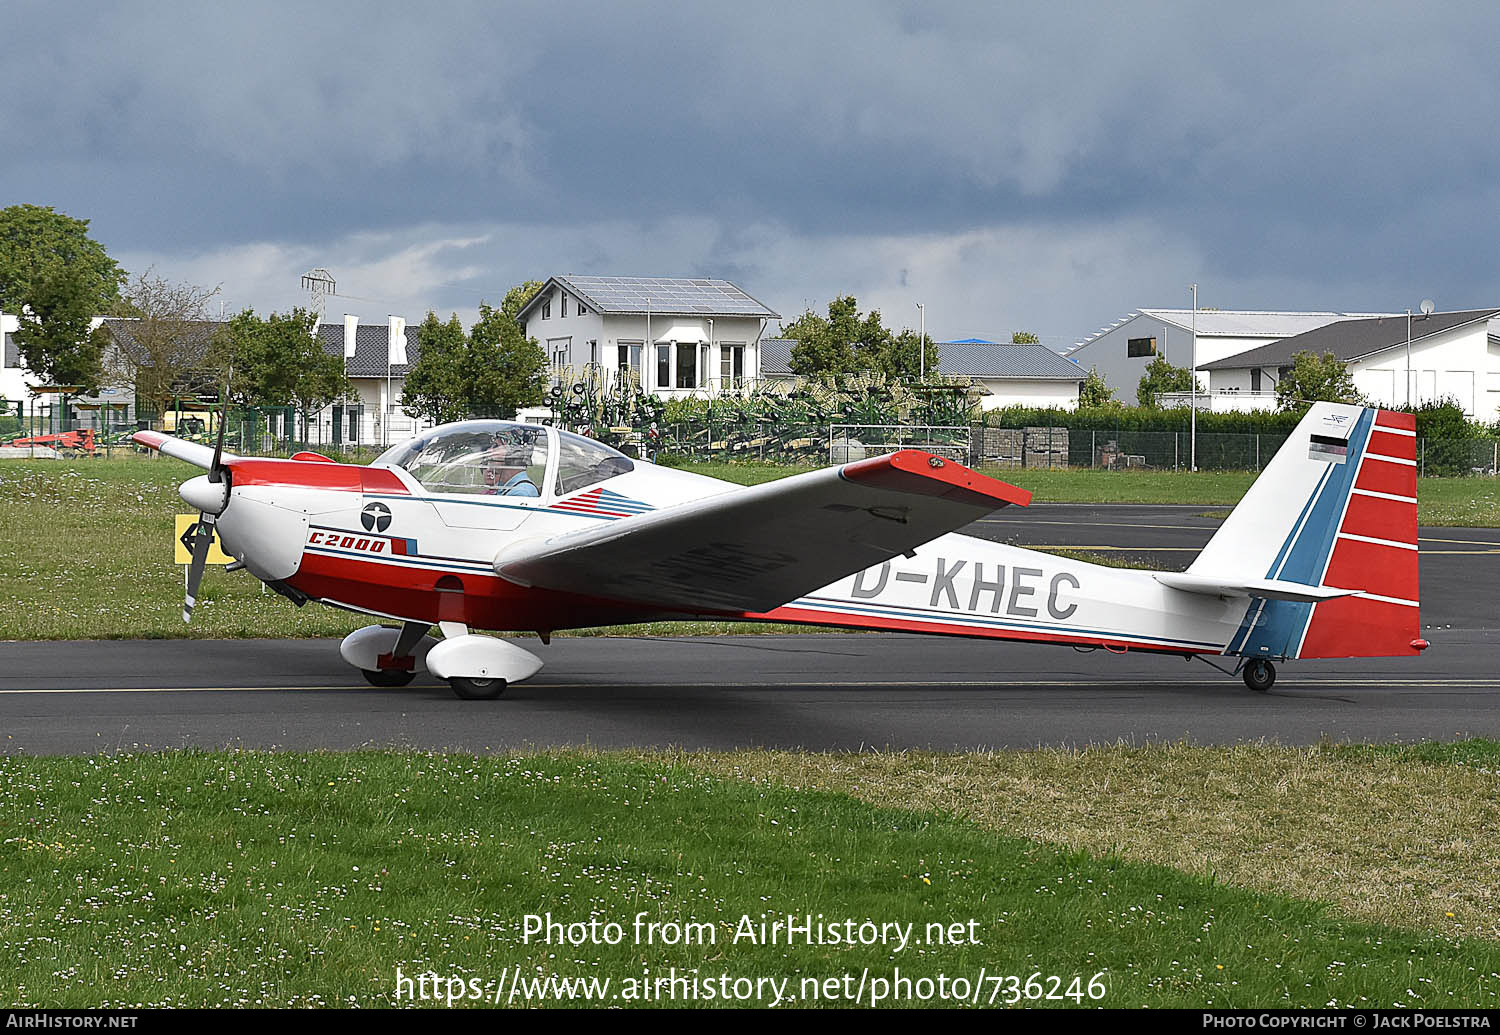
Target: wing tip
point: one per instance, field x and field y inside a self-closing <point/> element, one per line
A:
<point x="913" y="470"/>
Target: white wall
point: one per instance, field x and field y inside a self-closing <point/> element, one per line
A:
<point x="1461" y="364"/>
<point x="1006" y="391"/>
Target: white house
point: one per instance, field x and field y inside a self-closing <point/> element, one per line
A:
<point x="12" y="377"/>
<point x="1453" y="356"/>
<point x="1012" y="374"/>
<point x="1121" y="351"/>
<point x="676" y="336"/>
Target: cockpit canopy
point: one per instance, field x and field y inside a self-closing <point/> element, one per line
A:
<point x="505" y="458"/>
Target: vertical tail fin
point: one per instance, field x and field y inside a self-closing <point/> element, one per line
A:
<point x="1335" y="508"/>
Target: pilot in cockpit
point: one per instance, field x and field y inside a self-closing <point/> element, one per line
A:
<point x="505" y="469"/>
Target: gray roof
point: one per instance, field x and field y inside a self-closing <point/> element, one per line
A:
<point x="371" y="342"/>
<point x="1233" y="323"/>
<point x="666" y="296"/>
<point x="776" y="356"/>
<point x="1028" y="362"/>
<point x="1351" y="339"/>
<point x="197" y="334"/>
<point x="957" y="359"/>
<point x="371" y="347"/>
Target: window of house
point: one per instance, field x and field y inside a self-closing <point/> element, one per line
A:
<point x="687" y="365"/>
<point x="12" y="353"/>
<point x="547" y="309"/>
<point x="731" y="365"/>
<point x="563" y="302"/>
<point x="1255" y="379"/>
<point x="582" y="309"/>
<point x="560" y="349"/>
<point x="664" y="366"/>
<point x="1140" y="347"/>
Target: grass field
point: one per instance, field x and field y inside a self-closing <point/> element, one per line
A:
<point x="85" y="547"/>
<point x="283" y="879"/>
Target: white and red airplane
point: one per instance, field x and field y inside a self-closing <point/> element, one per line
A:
<point x="489" y="524"/>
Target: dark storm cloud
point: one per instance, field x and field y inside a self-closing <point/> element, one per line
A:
<point x="1288" y="149"/>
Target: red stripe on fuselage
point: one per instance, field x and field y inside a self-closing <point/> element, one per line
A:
<point x="846" y="621"/>
<point x="487" y="601"/>
<point x="313" y="474"/>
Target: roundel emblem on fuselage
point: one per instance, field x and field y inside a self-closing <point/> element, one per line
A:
<point x="376" y="517"/>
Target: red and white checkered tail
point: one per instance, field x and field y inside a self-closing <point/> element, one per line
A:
<point x="1374" y="552"/>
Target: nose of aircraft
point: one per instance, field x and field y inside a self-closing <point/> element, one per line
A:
<point x="204" y="495"/>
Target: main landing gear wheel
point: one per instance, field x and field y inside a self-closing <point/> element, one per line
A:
<point x="1260" y="675"/>
<point x="477" y="689"/>
<point x="388" y="676"/>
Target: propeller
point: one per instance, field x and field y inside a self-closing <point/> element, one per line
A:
<point x="203" y="532"/>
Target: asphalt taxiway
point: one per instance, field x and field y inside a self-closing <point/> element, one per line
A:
<point x="818" y="692"/>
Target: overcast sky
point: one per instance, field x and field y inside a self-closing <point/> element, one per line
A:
<point x="1044" y="166"/>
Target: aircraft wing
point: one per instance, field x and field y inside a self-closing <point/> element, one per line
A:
<point x="195" y="453"/>
<point x="756" y="548"/>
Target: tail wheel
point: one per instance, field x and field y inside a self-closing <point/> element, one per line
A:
<point x="1260" y="675"/>
<point x="388" y="676"/>
<point x="477" y="689"/>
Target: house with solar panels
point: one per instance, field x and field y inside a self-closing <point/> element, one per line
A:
<point x="673" y="336"/>
<point x="1007" y="374"/>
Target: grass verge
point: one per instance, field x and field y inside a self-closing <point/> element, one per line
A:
<point x="305" y="879"/>
<point x="1393" y="835"/>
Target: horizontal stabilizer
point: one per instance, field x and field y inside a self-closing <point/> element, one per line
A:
<point x="1271" y="589"/>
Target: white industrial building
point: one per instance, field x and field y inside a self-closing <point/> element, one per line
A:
<point x="1122" y="351"/>
<point x="1453" y="356"/>
<point x="676" y="337"/>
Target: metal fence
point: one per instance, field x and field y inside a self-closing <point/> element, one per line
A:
<point x="47" y="428"/>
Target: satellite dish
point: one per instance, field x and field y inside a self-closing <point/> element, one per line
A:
<point x="1427" y="307"/>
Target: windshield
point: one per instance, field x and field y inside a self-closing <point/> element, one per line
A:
<point x="582" y="462"/>
<point x="478" y="457"/>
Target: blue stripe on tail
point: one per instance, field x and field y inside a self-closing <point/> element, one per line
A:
<point x="1273" y="628"/>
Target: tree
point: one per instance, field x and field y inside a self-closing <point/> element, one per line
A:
<point x="847" y="342"/>
<point x="1315" y="378"/>
<point x="1024" y="338"/>
<point x="436" y="387"/>
<point x="1161" y="376"/>
<point x="54" y="340"/>
<point x="37" y="244"/>
<point x="280" y="361"/>
<point x="169" y="349"/>
<point x="493" y="369"/>
<point x="1095" y="391"/>
<point x="899" y="358"/>
<point x="507" y="370"/>
<point x="57" y="278"/>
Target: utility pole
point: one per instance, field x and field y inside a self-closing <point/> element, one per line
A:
<point x="922" y="343"/>
<point x="1408" y="359"/>
<point x="1193" y="432"/>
